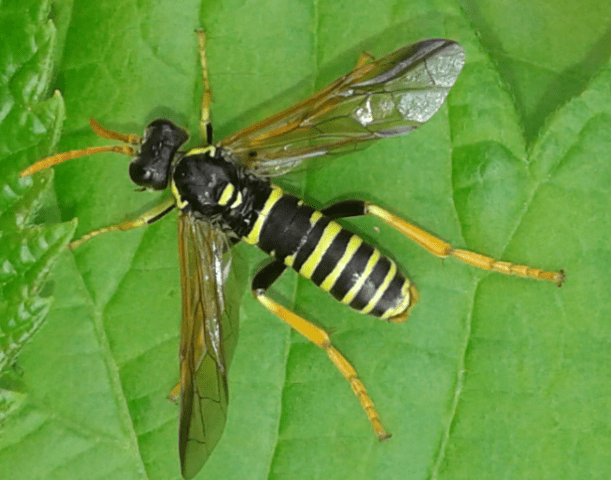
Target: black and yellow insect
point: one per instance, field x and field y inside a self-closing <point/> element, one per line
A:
<point x="224" y="195"/>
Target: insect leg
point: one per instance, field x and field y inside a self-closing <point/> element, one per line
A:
<point x="345" y="209"/>
<point x="205" y="125"/>
<point x="261" y="282"/>
<point x="435" y="245"/>
<point x="363" y="59"/>
<point x="267" y="275"/>
<point x="146" y="218"/>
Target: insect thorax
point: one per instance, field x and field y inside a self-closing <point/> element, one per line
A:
<point x="209" y="186"/>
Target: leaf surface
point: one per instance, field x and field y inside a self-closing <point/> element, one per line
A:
<point x="492" y="377"/>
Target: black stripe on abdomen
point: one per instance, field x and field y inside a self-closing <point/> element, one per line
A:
<point x="334" y="258"/>
<point x="372" y="284"/>
<point x="284" y="229"/>
<point x="330" y="258"/>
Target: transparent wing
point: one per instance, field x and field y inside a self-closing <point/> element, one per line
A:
<point x="208" y="338"/>
<point x="383" y="98"/>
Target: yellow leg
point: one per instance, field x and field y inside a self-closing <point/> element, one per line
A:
<point x="174" y="394"/>
<point x="363" y="59"/>
<point x="146" y="218"/>
<point x="319" y="337"/>
<point x="443" y="249"/>
<point x="204" y="122"/>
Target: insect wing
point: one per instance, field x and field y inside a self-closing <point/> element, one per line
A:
<point x="208" y="337"/>
<point x="383" y="98"/>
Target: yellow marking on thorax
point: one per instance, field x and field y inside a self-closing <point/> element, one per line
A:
<point x="238" y="201"/>
<point x="198" y="150"/>
<point x="227" y="194"/>
<point x="180" y="203"/>
<point x="253" y="237"/>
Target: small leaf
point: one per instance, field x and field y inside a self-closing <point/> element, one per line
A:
<point x="29" y="127"/>
<point x="10" y="401"/>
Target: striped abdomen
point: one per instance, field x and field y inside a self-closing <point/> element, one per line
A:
<point x="335" y="259"/>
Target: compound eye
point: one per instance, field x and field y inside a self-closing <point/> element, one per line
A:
<point x="226" y="193"/>
<point x="142" y="175"/>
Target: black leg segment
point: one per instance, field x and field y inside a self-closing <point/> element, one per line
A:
<point x="345" y="209"/>
<point x="267" y="275"/>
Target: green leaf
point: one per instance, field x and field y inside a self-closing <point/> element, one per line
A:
<point x="492" y="377"/>
<point x="28" y="128"/>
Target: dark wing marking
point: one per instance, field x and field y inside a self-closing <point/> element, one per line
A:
<point x="383" y="98"/>
<point x="208" y="337"/>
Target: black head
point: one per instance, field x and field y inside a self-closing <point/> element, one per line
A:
<point x="151" y="168"/>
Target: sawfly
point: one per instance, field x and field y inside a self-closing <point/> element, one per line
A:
<point x="224" y="195"/>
